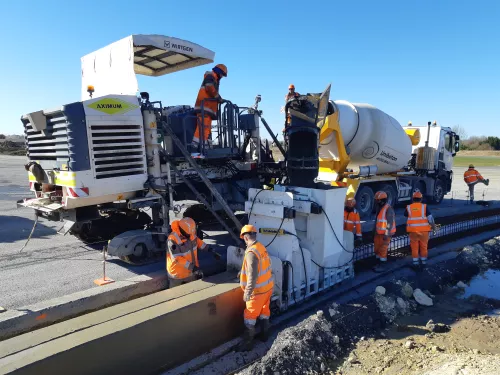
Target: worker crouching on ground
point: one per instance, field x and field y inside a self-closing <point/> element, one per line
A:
<point x="385" y="227"/>
<point x="182" y="255"/>
<point x="257" y="283"/>
<point x="352" y="221"/>
<point x="473" y="177"/>
<point x="209" y="90"/>
<point x="418" y="225"/>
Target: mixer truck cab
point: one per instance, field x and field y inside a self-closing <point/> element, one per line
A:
<point x="367" y="150"/>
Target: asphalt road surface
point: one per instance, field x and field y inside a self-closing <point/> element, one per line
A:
<point x="53" y="265"/>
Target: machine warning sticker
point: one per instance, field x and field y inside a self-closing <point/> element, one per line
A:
<point x="112" y="106"/>
<point x="281" y="232"/>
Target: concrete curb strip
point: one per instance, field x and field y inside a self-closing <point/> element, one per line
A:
<point x="25" y="319"/>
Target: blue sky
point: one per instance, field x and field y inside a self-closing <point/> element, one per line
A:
<point x="418" y="61"/>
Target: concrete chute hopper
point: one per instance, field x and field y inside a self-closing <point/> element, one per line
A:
<point x="112" y="69"/>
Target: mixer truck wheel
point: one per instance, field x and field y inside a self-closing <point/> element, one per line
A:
<point x="364" y="201"/>
<point x="437" y="192"/>
<point x="391" y="192"/>
<point x="140" y="256"/>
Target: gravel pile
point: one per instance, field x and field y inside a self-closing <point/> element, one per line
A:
<point x="320" y="343"/>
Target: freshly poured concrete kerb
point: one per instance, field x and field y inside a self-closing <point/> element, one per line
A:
<point x="25" y="319"/>
<point x="141" y="336"/>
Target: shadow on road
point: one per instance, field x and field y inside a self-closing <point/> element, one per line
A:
<point x="16" y="228"/>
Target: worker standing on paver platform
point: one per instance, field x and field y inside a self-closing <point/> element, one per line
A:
<point x="352" y="221"/>
<point x="420" y="222"/>
<point x="290" y="95"/>
<point x="473" y="177"/>
<point x="257" y="283"/>
<point x="209" y="90"/>
<point x="182" y="255"/>
<point x="385" y="227"/>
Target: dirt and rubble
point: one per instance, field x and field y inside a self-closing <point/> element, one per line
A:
<point x="418" y="325"/>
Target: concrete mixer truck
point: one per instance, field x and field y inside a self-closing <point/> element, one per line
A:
<point x="366" y="150"/>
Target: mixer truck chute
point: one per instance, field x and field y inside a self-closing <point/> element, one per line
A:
<point x="367" y="150"/>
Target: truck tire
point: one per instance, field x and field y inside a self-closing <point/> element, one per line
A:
<point x="364" y="201"/>
<point x="437" y="192"/>
<point x="392" y="194"/>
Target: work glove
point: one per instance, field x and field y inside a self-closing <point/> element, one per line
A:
<point x="198" y="274"/>
<point x="246" y="296"/>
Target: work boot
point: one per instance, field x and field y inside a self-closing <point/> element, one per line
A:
<point x="381" y="267"/>
<point x="487" y="181"/>
<point x="264" y="330"/>
<point x="246" y="343"/>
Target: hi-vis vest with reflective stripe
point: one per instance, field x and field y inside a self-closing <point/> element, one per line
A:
<point x="352" y="221"/>
<point x="209" y="89"/>
<point x="180" y="260"/>
<point x="264" y="282"/>
<point x="471" y="175"/>
<point x="381" y="225"/>
<point x="417" y="218"/>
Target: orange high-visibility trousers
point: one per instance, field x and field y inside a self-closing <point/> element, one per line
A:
<point x="381" y="246"/>
<point x="207" y="128"/>
<point x="257" y="307"/>
<point x="418" y="245"/>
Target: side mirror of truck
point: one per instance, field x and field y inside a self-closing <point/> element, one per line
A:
<point x="457" y="146"/>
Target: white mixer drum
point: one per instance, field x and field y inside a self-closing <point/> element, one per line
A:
<point x="372" y="137"/>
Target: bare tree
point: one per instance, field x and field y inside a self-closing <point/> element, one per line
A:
<point x="460" y="130"/>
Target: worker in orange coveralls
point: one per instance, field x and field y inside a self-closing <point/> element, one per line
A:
<point x="209" y="90"/>
<point x="418" y="225"/>
<point x="290" y="95"/>
<point x="473" y="177"/>
<point x="256" y="281"/>
<point x="385" y="227"/>
<point x="352" y="221"/>
<point x="182" y="252"/>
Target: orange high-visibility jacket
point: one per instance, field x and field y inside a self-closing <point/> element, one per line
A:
<point x="381" y="225"/>
<point x="289" y="96"/>
<point x="417" y="218"/>
<point x="182" y="255"/>
<point x="352" y="222"/>
<point x="471" y="176"/>
<point x="209" y="89"/>
<point x="264" y="282"/>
